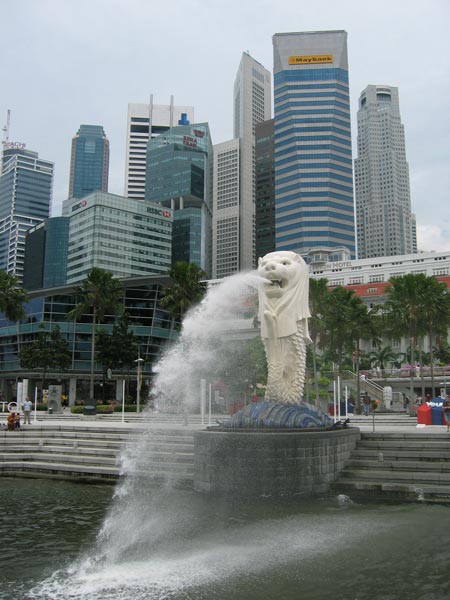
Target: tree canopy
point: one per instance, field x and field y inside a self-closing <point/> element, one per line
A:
<point x="188" y="288"/>
<point x="49" y="351"/>
<point x="12" y="297"/>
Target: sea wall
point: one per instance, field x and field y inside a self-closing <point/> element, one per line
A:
<point x="281" y="463"/>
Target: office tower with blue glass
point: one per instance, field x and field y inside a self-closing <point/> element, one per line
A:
<point x="89" y="161"/>
<point x="386" y="225"/>
<point x="314" y="206"/>
<point x="179" y="176"/>
<point x="26" y="185"/>
<point x="264" y="188"/>
<point x="46" y="246"/>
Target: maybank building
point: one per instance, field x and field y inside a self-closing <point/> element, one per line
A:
<point x="313" y="154"/>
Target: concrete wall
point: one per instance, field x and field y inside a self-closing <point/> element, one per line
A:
<point x="272" y="463"/>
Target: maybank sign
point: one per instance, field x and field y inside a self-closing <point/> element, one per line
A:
<point x="314" y="59"/>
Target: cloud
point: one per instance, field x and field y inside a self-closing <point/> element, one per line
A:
<point x="433" y="238"/>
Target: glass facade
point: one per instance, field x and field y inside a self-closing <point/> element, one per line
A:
<point x="265" y="188"/>
<point x="313" y="166"/>
<point x="179" y="176"/>
<point x="186" y="236"/>
<point x="123" y="236"/>
<point x="45" y="263"/>
<point x="147" y="320"/>
<point x="89" y="163"/>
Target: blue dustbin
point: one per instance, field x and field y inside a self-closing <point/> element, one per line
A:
<point x="436" y="415"/>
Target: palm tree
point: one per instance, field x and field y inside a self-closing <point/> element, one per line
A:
<point x="404" y="310"/>
<point x="436" y="314"/>
<point x="98" y="293"/>
<point x="382" y="356"/>
<point x="318" y="296"/>
<point x="186" y="290"/>
<point x="12" y="299"/>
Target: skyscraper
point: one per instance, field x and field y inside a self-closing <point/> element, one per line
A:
<point x="313" y="153"/>
<point x="89" y="161"/>
<point x="265" y="188"/>
<point x="144" y="122"/>
<point x="179" y="176"/>
<point x="234" y="183"/>
<point x="226" y="209"/>
<point x="386" y="225"/>
<point x="252" y="105"/>
<point x="26" y="184"/>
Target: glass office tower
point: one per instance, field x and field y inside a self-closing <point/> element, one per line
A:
<point x="313" y="152"/>
<point x="46" y="244"/>
<point x="179" y="176"/>
<point x="26" y="184"/>
<point x="265" y="188"/>
<point x="89" y="161"/>
<point x="128" y="238"/>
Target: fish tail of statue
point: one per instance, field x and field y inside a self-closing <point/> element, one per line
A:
<point x="286" y="361"/>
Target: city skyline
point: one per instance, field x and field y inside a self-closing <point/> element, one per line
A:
<point x="199" y="67"/>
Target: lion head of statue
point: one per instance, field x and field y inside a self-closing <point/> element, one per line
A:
<point x="284" y="298"/>
<point x="283" y="270"/>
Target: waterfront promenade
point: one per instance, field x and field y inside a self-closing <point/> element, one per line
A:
<point x="394" y="457"/>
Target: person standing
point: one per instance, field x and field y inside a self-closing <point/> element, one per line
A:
<point x="366" y="405"/>
<point x="446" y="409"/>
<point x="27" y="411"/>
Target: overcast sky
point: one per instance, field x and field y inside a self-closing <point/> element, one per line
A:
<point x="70" y="62"/>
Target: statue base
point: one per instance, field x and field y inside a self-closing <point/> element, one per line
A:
<point x="271" y="415"/>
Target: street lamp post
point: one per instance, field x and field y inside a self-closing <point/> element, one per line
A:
<point x="139" y="362"/>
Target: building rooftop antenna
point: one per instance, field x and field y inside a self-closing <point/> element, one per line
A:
<point x="6" y="127"/>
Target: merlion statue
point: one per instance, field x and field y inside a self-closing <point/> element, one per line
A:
<point x="283" y="314"/>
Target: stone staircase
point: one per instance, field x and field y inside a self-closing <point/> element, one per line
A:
<point x="92" y="453"/>
<point x="396" y="465"/>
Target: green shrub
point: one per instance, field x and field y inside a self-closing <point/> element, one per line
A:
<point x="77" y="410"/>
<point x="128" y="408"/>
<point x="104" y="409"/>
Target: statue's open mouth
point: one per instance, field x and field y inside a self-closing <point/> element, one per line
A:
<point x="276" y="283"/>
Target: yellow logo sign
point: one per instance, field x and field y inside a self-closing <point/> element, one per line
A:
<point x="310" y="60"/>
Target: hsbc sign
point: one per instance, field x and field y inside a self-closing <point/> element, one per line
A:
<point x="159" y="212"/>
<point x="78" y="205"/>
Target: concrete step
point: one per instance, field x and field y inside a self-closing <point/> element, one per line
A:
<point x="393" y="490"/>
<point x="401" y="453"/>
<point x="397" y="475"/>
<point x="399" y="465"/>
<point x="67" y="458"/>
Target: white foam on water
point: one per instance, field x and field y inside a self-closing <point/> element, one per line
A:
<point x="212" y="556"/>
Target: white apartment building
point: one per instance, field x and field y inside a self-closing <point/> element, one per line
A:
<point x="385" y="224"/>
<point x="147" y="121"/>
<point x="225" y="258"/>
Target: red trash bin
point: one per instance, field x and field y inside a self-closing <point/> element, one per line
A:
<point x="424" y="415"/>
